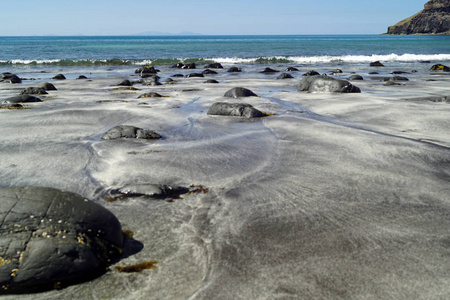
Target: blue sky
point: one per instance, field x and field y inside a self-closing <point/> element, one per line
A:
<point x="114" y="17"/>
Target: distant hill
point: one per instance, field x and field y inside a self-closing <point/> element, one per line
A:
<point x="167" y="33"/>
<point x="433" y="19"/>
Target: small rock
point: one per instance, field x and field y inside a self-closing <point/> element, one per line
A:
<point x="235" y="110"/>
<point x="209" y="72"/>
<point x="356" y="77"/>
<point x="128" y="131"/>
<point x="191" y="75"/>
<point x="326" y="84"/>
<point x="22" y="99"/>
<point x="268" y="71"/>
<point x="376" y="64"/>
<point x="285" y="76"/>
<point x="238" y="92"/>
<point x="234" y="70"/>
<point x="48" y="86"/>
<point x="211" y="81"/>
<point x="311" y="73"/>
<point x="189" y="66"/>
<point x="291" y="69"/>
<point x="59" y="77"/>
<point x="10" y="78"/>
<point x="214" y="66"/>
<point x="33" y="91"/>
<point x="125" y="82"/>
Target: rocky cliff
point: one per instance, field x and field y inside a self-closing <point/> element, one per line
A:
<point x="433" y="19"/>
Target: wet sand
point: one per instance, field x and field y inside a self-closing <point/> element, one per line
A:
<point x="334" y="196"/>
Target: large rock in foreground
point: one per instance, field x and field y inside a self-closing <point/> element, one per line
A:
<point x="326" y="84"/>
<point x="434" y="19"/>
<point x="50" y="238"/>
<point x="235" y="110"/>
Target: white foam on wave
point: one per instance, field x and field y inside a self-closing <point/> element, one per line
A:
<point x="341" y="58"/>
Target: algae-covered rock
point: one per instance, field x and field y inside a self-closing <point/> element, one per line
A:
<point x="440" y="67"/>
<point x="53" y="238"/>
<point x="128" y="131"/>
<point x="235" y="110"/>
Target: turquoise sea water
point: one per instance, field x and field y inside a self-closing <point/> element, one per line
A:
<point x="164" y="50"/>
<point x="98" y="56"/>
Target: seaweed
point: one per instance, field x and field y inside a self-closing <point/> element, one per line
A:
<point x="146" y="265"/>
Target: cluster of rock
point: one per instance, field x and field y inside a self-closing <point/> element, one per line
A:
<point x="433" y="19"/>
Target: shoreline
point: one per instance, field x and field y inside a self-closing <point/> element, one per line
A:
<point x="333" y="195"/>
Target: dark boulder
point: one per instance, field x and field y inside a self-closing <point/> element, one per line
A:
<point x="291" y="69"/>
<point x="268" y="71"/>
<point x="152" y="81"/>
<point x="53" y="238"/>
<point x="59" y="77"/>
<point x="390" y="83"/>
<point x="238" y="92"/>
<point x="285" y="76"/>
<point x="209" y="72"/>
<point x="146" y="70"/>
<point x="311" y="73"/>
<point x="33" y="91"/>
<point x="214" y="66"/>
<point x="22" y="99"/>
<point x="376" y="64"/>
<point x="125" y="82"/>
<point x="235" y="110"/>
<point x="211" y="81"/>
<point x="189" y="66"/>
<point x="128" y="131"/>
<point x="337" y="71"/>
<point x="399" y="72"/>
<point x="395" y="78"/>
<point x="178" y="65"/>
<point x="47" y="86"/>
<point x="234" y="70"/>
<point x="82" y="77"/>
<point x="440" y="67"/>
<point x="191" y="75"/>
<point x="356" y="77"/>
<point x="10" y="78"/>
<point x="326" y="84"/>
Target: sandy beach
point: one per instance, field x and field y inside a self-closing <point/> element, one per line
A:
<point x="331" y="196"/>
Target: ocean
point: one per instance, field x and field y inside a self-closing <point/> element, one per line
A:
<point x="82" y="51"/>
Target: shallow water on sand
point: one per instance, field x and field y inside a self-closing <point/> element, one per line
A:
<point x="334" y="196"/>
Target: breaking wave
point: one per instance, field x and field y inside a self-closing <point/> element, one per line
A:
<point x="233" y="60"/>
